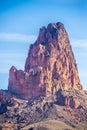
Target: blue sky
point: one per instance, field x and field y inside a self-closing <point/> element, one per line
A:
<point x="20" y="21"/>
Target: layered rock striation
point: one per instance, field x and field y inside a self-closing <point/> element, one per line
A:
<point x="50" y="65"/>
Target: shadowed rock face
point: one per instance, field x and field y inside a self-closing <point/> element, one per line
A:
<point x="50" y="65"/>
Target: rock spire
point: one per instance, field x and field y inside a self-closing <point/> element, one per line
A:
<point x="50" y="65"/>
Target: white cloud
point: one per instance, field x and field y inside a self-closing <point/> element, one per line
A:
<point x="83" y="54"/>
<point x="9" y="59"/>
<point x="16" y="37"/>
<point x="7" y="55"/>
<point x="79" y="43"/>
<point x="83" y="73"/>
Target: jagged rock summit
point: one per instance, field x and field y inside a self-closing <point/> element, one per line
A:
<point x="50" y="84"/>
<point x="50" y="66"/>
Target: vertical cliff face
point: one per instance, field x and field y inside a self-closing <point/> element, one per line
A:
<point x="50" y="65"/>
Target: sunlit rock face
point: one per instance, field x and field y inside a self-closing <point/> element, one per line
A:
<point x="50" y="65"/>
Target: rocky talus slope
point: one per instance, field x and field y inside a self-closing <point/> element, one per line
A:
<point x="47" y="94"/>
<point x="44" y="113"/>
